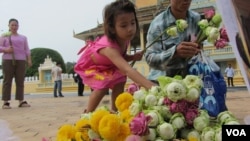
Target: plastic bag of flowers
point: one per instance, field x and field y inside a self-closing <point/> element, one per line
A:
<point x="215" y="86"/>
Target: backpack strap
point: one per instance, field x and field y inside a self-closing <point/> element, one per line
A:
<point x="89" y="43"/>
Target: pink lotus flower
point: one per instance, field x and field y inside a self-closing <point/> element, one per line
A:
<point x="193" y="105"/>
<point x="220" y="43"/>
<point x="190" y="115"/>
<point x="179" y="107"/>
<point x="44" y="139"/>
<point x="223" y="34"/>
<point x="167" y="101"/>
<point x="132" y="88"/>
<point x="209" y="14"/>
<point x="139" y="124"/>
<point x="134" y="138"/>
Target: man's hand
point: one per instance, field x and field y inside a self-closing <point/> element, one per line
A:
<point x="187" y="49"/>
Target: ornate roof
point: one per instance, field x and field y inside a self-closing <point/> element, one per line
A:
<point x="144" y="15"/>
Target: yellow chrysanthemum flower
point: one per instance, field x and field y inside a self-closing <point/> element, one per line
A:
<point x="66" y="132"/>
<point x="109" y="127"/>
<point x="192" y="138"/>
<point x="82" y="130"/>
<point x="78" y="136"/>
<point x="81" y="123"/>
<point x="123" y="101"/>
<point x="126" y="116"/>
<point x="125" y="132"/>
<point x="82" y="136"/>
<point x="96" y="117"/>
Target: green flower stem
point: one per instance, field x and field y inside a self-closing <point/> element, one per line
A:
<point x="144" y="50"/>
<point x="198" y="35"/>
<point x="201" y="36"/>
<point x="13" y="59"/>
<point x="156" y="39"/>
<point x="13" y="56"/>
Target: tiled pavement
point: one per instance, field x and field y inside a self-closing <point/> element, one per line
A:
<point x="47" y="113"/>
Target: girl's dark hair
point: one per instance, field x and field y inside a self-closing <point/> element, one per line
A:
<point x="110" y="13"/>
<point x="11" y="20"/>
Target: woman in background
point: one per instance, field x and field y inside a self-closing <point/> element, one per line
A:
<point x="16" y="53"/>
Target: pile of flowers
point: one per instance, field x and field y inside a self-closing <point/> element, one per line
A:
<point x="169" y="111"/>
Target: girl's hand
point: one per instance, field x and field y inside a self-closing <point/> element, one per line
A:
<point x="138" y="56"/>
<point x="187" y="49"/>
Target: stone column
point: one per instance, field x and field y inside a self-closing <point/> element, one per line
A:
<point x="129" y="48"/>
<point x="40" y="74"/>
<point x="142" y="44"/>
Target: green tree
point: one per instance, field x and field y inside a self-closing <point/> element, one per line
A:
<point x="38" y="56"/>
<point x="70" y="67"/>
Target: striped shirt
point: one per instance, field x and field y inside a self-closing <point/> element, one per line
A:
<point x="160" y="55"/>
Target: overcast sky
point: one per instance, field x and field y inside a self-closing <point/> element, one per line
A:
<point x="50" y="23"/>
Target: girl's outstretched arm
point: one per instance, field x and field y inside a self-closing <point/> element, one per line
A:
<point x="125" y="68"/>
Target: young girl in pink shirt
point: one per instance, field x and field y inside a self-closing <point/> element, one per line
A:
<point x="104" y="63"/>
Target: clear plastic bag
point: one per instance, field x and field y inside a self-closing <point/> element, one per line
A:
<point x="202" y="64"/>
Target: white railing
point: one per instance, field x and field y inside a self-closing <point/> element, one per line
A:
<point x="65" y="76"/>
<point x="31" y="79"/>
<point x="213" y="51"/>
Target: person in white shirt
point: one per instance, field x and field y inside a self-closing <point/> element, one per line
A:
<point x="230" y="74"/>
<point x="56" y="73"/>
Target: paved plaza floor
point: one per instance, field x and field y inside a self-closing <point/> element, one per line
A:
<point x="47" y="113"/>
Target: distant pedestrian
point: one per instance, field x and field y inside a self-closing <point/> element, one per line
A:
<point x="56" y="73"/>
<point x="78" y="80"/>
<point x="230" y="75"/>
